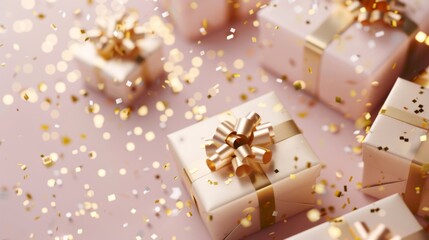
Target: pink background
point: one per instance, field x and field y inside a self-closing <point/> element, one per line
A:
<point x="21" y="136"/>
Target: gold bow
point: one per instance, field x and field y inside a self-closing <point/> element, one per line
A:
<point x="242" y="144"/>
<point x="341" y="230"/>
<point x="372" y="11"/>
<point x="381" y="232"/>
<point x="117" y="36"/>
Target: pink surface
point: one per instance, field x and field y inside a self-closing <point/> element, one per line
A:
<point x="21" y="135"/>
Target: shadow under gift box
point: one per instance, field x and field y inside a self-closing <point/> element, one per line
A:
<point x="223" y="199"/>
<point x="390" y="211"/>
<point x="195" y="18"/>
<point x="111" y="76"/>
<point x="396" y="149"/>
<point x="358" y="67"/>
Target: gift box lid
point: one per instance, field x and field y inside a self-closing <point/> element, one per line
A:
<point x="290" y="156"/>
<point x="390" y="211"/>
<point x="117" y="68"/>
<point x="402" y="125"/>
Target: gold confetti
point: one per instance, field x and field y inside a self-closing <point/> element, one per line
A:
<point x="338" y="100"/>
<point x="47" y="161"/>
<point x="65" y="140"/>
<point x="54" y="27"/>
<point x="111" y="197"/>
<point x="299" y="85"/>
<point x="313" y="215"/>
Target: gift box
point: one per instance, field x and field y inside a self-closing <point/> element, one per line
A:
<point x="119" y="59"/>
<point x="396" y="148"/>
<point x="197" y="18"/>
<point x="388" y="218"/>
<point x="346" y="55"/>
<point x="235" y="187"/>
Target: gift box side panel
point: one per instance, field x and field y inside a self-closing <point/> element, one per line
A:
<point x="284" y="28"/>
<point x="225" y="220"/>
<point x="364" y="68"/>
<point x="407" y="96"/>
<point x="392" y="212"/>
<point x="112" y="74"/>
<point x="152" y="53"/>
<point x="189" y="21"/>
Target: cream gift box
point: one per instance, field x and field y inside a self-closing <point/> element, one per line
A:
<point x="121" y="77"/>
<point x="348" y="66"/>
<point x="233" y="206"/>
<point x="385" y="219"/>
<point x="396" y="148"/>
<point x="196" y="18"/>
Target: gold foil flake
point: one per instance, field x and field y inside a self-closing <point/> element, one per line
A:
<point x="54" y="27"/>
<point x="47" y="161"/>
<point x="423" y="138"/>
<point x="313" y="215"/>
<point x="125" y="113"/>
<point x="29" y="95"/>
<point x="22" y="166"/>
<point x="65" y="140"/>
<point x="338" y="193"/>
<point x="111" y="197"/>
<point x="339" y="100"/>
<point x="292" y="176"/>
<point x="299" y="85"/>
<point x="189" y="214"/>
<point x="302" y="114"/>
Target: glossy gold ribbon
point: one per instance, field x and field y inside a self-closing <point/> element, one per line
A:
<point x="419" y="167"/>
<point x="340" y="229"/>
<point x="363" y="11"/>
<point x="117" y="36"/>
<point x="422" y="79"/>
<point x="240" y="144"/>
<point x="244" y="145"/>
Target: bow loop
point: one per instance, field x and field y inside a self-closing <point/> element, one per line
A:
<point x="373" y="11"/>
<point x="241" y="144"/>
<point x="117" y="36"/>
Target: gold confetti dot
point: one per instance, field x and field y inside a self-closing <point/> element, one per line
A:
<point x="313" y="215"/>
<point x="130" y="146"/>
<point x="334" y="232"/>
<point x="101" y="172"/>
<point x="238" y="64"/>
<point x="142" y="111"/>
<point x="150" y="136"/>
<point x="7" y="99"/>
<point x="98" y="121"/>
<point x="197" y="61"/>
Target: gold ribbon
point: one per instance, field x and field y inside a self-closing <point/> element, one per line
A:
<point x="363" y="11"/>
<point x="117" y="36"/>
<point x="418" y="171"/>
<point x="422" y="79"/>
<point x="240" y="144"/>
<point x="340" y="229"/>
<point x="244" y="145"/>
